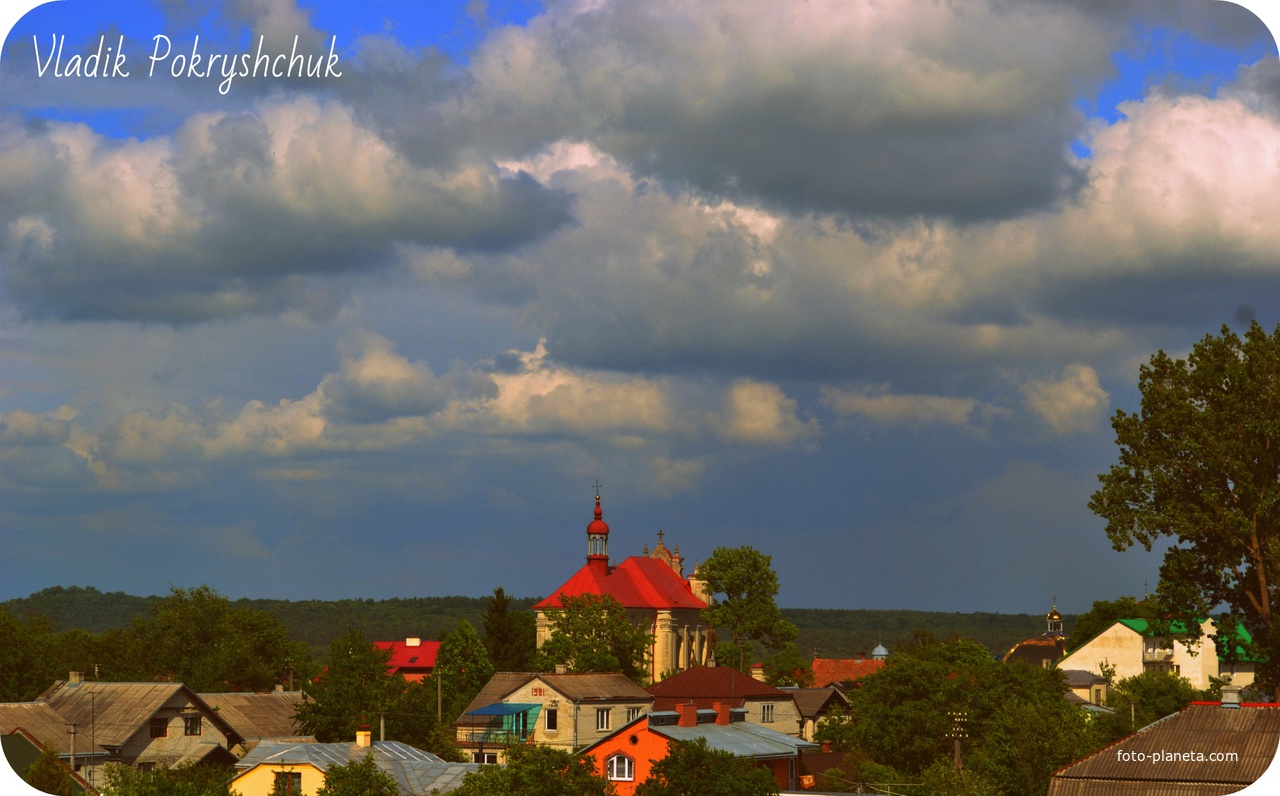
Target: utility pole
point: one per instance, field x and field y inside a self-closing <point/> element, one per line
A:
<point x="75" y="727"/>
<point x="958" y="731"/>
<point x="93" y="739"/>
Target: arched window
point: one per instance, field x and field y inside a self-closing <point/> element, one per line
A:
<point x="621" y="767"/>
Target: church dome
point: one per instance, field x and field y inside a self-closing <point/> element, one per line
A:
<point x="598" y="526"/>
<point x="879" y="653"/>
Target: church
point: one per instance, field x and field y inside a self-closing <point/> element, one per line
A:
<point x="655" y="592"/>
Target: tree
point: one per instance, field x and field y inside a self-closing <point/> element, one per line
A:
<point x="358" y="778"/>
<point x="353" y="689"/>
<point x="1201" y="464"/>
<point x="24" y="652"/>
<point x="748" y="612"/>
<point x="592" y="633"/>
<point x="184" y="780"/>
<point x="537" y="771"/>
<point x="463" y="666"/>
<point x="510" y="636"/>
<point x="691" y="768"/>
<point x="1140" y="700"/>
<point x="48" y="774"/>
<point x="787" y="667"/>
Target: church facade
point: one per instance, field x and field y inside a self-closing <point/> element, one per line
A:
<point x="654" y="590"/>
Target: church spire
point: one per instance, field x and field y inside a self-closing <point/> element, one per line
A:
<point x="598" y="539"/>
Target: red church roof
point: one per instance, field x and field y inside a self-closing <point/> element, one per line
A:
<point x="638" y="582"/>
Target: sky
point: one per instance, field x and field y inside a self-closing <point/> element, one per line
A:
<point x="857" y="284"/>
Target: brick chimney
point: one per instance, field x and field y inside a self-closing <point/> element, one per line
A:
<point x="363" y="737"/>
<point x="75" y="678"/>
<point x="688" y="715"/>
<point x="1231" y="696"/>
<point x="722" y="712"/>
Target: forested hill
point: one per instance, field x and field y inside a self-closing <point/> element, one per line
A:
<point x="829" y="633"/>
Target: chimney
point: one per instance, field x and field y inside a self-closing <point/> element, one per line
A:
<point x="413" y="642"/>
<point x="561" y="668"/>
<point x="1231" y="696"/>
<point x="688" y="715"/>
<point x="826" y="747"/>
<point x="363" y="738"/>
<point x="75" y="678"/>
<point x="722" y="712"/>
<point x="757" y="671"/>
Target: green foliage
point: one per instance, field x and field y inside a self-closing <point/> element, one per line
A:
<point x="196" y="780"/>
<point x="463" y="666"/>
<point x="747" y="612"/>
<point x="1140" y="700"/>
<point x="351" y="690"/>
<point x="1019" y="728"/>
<point x="691" y="768"/>
<point x="537" y="771"/>
<point x="358" y="778"/>
<point x="509" y="635"/>
<point x="48" y="774"/>
<point x="24" y="652"/>
<point x="1103" y="614"/>
<point x="787" y="667"/>
<point x="592" y="633"/>
<point x="1201" y="464"/>
<point x="197" y="637"/>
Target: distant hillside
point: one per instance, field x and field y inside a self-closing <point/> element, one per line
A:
<point x="826" y="633"/>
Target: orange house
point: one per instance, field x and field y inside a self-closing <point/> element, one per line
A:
<point x="627" y="756"/>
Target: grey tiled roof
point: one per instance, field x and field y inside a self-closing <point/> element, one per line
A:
<point x="415" y="771"/>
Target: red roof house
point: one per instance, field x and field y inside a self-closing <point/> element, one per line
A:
<point x="833" y="671"/>
<point x="653" y="589"/>
<point x="413" y="658"/>
<point x="708" y="686"/>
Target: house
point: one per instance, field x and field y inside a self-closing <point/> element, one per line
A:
<point x="566" y="711"/>
<point x="142" y="724"/>
<point x="302" y="766"/>
<point x="1206" y="749"/>
<point x="1044" y="650"/>
<point x="1090" y="688"/>
<point x="705" y="686"/>
<point x="413" y="659"/>
<point x="815" y="704"/>
<point x="1133" y="648"/>
<point x="842" y="671"/>
<point x="627" y="756"/>
<point x="259" y="716"/>
<point x="655" y="592"/>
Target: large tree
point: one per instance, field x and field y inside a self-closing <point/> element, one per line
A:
<point x="1200" y="464"/>
<point x="353" y="689"/>
<point x="358" y="778"/>
<point x="592" y="633"/>
<point x="747" y="612"/>
<point x="462" y="668"/>
<point x="537" y="771"/>
<point x="510" y="636"/>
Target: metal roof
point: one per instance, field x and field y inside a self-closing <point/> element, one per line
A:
<point x="257" y="716"/>
<point x="44" y="724"/>
<point x="811" y="702"/>
<point x="591" y="687"/>
<point x="416" y="772"/>
<point x="1195" y="734"/>
<point x="118" y="711"/>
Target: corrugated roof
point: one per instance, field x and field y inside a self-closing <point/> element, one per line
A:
<point x="258" y="716"/>
<point x="596" y="686"/>
<point x="416" y="772"/>
<point x="44" y="724"/>
<point x="118" y="711"/>
<point x="740" y="738"/>
<point x="1196" y="734"/>
<point x="638" y="582"/>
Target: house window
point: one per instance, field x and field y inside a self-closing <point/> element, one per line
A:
<point x="621" y="767"/>
<point x="633" y="714"/>
<point x="288" y="782"/>
<point x="486" y="758"/>
<point x="553" y="719"/>
<point x="602" y="719"/>
<point x="191" y="725"/>
<point x="766" y="713"/>
<point x="159" y="728"/>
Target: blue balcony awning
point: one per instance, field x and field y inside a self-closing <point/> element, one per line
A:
<point x="505" y="709"/>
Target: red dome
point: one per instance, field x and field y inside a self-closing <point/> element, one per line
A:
<point x="598" y="526"/>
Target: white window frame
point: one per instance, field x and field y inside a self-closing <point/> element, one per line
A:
<point x="627" y="766"/>
<point x="633" y="713"/>
<point x="766" y="713"/>
<point x="604" y="720"/>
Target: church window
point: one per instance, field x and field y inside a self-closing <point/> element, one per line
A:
<point x="602" y="719"/>
<point x="621" y="767"/>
